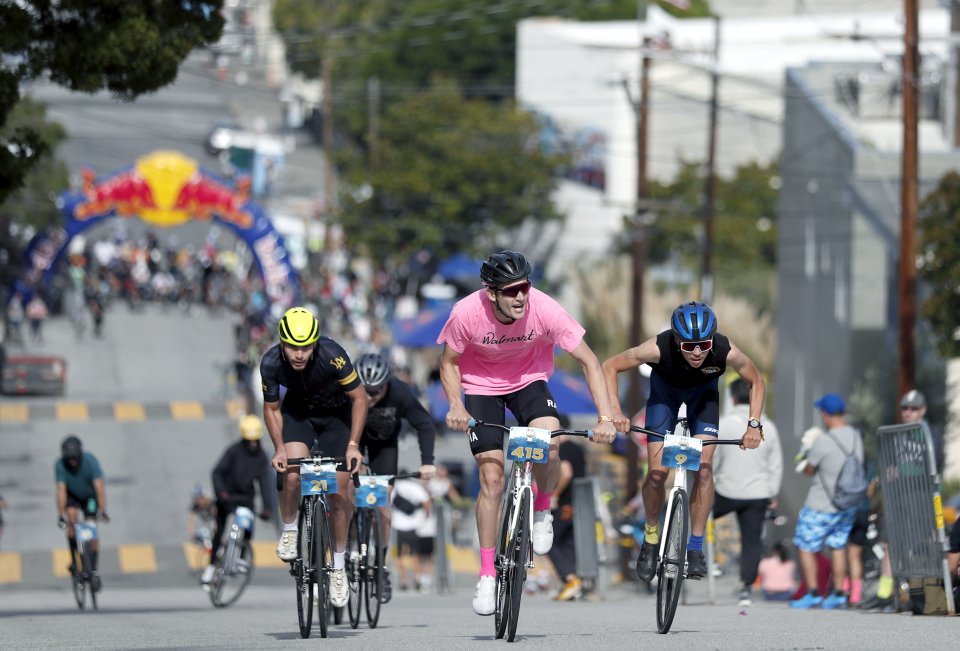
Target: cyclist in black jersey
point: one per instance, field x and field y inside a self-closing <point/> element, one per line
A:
<point x="391" y="401"/>
<point x="686" y="363"/>
<point x="324" y="401"/>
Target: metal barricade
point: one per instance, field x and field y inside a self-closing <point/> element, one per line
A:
<point x="911" y="504"/>
<point x="585" y="530"/>
<point x="442" y="566"/>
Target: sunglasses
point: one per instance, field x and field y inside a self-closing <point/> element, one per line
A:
<point x="373" y="393"/>
<point x="911" y="408"/>
<point x="511" y="292"/>
<point x="691" y="346"/>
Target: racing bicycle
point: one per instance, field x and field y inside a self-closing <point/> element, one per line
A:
<point x="514" y="555"/>
<point x="234" y="562"/>
<point x="84" y="576"/>
<point x="364" y="560"/>
<point x="681" y="453"/>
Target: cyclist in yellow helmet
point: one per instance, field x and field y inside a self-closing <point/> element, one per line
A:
<point x="242" y="465"/>
<point x="324" y="401"/>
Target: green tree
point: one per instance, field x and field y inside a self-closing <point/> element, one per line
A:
<point x="129" y="47"/>
<point x="939" y="262"/>
<point x="452" y="173"/>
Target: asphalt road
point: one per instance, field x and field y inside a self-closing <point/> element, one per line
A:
<point x="265" y="618"/>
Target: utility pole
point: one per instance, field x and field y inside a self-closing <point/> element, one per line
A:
<point x="706" y="279"/>
<point x="373" y="120"/>
<point x="639" y="259"/>
<point x="327" y="71"/>
<point x="908" y="210"/>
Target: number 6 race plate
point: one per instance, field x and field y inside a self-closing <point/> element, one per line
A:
<point x="372" y="491"/>
<point x="682" y="452"/>
<point x="316" y="479"/>
<point x="529" y="444"/>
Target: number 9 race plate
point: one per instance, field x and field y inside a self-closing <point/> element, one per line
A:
<point x="317" y="479"/>
<point x="529" y="444"/>
<point x="681" y="452"/>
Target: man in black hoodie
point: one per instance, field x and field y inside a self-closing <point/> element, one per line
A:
<point x="241" y="465"/>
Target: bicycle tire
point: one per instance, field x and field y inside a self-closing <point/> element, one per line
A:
<point x="518" y="571"/>
<point x="355" y="568"/>
<point x="87" y="561"/>
<point x="234" y="572"/>
<point x="216" y="583"/>
<point x="93" y="596"/>
<point x="375" y="563"/>
<point x="502" y="563"/>
<point x="79" y="589"/>
<point x="674" y="560"/>
<point x="305" y="576"/>
<point x="323" y="560"/>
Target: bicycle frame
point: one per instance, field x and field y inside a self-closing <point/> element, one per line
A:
<point x="519" y="487"/>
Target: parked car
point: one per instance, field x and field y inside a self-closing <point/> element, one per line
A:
<point x="34" y="375"/>
<point x="221" y="135"/>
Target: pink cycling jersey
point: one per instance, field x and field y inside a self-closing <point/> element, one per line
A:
<point x="497" y="358"/>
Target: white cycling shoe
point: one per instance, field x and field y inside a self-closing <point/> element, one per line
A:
<point x="542" y="532"/>
<point x="485" y="596"/>
<point x="339" y="594"/>
<point x="208" y="572"/>
<point x="287" y="547"/>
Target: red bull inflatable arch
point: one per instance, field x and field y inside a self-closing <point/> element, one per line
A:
<point x="164" y="189"/>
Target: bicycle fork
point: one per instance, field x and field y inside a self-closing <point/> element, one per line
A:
<point x="523" y="490"/>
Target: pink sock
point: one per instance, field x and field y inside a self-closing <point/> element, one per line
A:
<point x="541" y="502"/>
<point x="856" y="592"/>
<point x="486" y="562"/>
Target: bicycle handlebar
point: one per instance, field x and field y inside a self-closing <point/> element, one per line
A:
<point x="587" y="433"/>
<point x="403" y="475"/>
<point x="658" y="435"/>
<point x="298" y="461"/>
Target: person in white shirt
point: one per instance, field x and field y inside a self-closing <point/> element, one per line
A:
<point x="411" y="510"/>
<point x="746" y="484"/>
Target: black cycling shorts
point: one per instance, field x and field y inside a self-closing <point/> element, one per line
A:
<point x="382" y="455"/>
<point x="89" y="507"/>
<point x="528" y="404"/>
<point x="330" y="427"/>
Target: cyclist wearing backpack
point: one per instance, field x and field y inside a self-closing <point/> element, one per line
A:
<point x="836" y="464"/>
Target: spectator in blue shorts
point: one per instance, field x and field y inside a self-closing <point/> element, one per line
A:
<point x="820" y="522"/>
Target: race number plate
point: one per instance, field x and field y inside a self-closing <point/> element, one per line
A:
<point x="372" y="491"/>
<point x="244" y="518"/>
<point x="85" y="532"/>
<point x="529" y="444"/>
<point x="316" y="479"/>
<point x="682" y="452"/>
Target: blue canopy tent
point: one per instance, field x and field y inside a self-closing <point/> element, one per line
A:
<point x="422" y="330"/>
<point x="460" y="267"/>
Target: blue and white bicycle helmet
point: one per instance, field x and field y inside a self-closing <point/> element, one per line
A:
<point x="693" y="321"/>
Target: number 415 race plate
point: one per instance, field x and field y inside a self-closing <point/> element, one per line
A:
<point x="682" y="452"/>
<point x="529" y="444"/>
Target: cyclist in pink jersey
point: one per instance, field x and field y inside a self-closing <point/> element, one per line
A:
<point x="498" y="348"/>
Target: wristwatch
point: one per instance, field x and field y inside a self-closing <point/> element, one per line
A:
<point x="754" y="423"/>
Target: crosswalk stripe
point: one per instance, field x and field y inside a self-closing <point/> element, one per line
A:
<point x="197" y="557"/>
<point x="129" y="411"/>
<point x="72" y="411"/>
<point x="463" y="559"/>
<point x="265" y="554"/>
<point x="14" y="413"/>
<point x="61" y="562"/>
<point x="188" y="410"/>
<point x="11" y="569"/>
<point x="233" y="409"/>
<point x="137" y="559"/>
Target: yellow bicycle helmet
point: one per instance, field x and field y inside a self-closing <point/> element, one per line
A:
<point x="250" y="428"/>
<point x="298" y="327"/>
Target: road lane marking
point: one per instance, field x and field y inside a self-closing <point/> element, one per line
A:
<point x="14" y="413"/>
<point x="61" y="562"/>
<point x="72" y="411"/>
<point x="191" y="410"/>
<point x="197" y="557"/>
<point x="463" y="559"/>
<point x="11" y="570"/>
<point x="265" y="554"/>
<point x="233" y="409"/>
<point x="137" y="559"/>
<point x="128" y="411"/>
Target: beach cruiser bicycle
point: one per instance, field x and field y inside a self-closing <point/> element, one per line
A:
<point x="364" y="560"/>
<point x="525" y="447"/>
<point x="682" y="453"/>
<point x="234" y="561"/>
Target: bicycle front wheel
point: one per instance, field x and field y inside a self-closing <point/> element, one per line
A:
<point x="79" y="590"/>
<point x="233" y="573"/>
<point x="88" y="574"/>
<point x="354" y="568"/>
<point x="323" y="561"/>
<point x="671" y="569"/>
<point x="518" y="573"/>
<point x="375" y="566"/>
<point x="304" y="570"/>
<point x="504" y="560"/>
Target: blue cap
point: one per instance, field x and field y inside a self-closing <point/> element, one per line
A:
<point x="831" y="403"/>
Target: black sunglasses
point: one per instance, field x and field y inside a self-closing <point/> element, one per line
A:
<point x="373" y="393"/>
<point x="511" y="292"/>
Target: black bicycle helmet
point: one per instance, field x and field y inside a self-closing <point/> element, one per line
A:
<point x="504" y="267"/>
<point x="693" y="321"/>
<point x="372" y="369"/>
<point x="71" y="449"/>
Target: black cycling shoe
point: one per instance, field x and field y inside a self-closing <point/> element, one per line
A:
<point x="876" y="603"/>
<point x="95" y="581"/>
<point x="73" y="568"/>
<point x="696" y="565"/>
<point x="387" y="591"/>
<point x="647" y="561"/>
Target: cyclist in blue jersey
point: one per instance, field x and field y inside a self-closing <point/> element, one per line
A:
<point x="686" y="363"/>
<point x="79" y="488"/>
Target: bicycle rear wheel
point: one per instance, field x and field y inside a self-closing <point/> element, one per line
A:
<point x="672" y="568"/>
<point x="323" y="561"/>
<point x="354" y="566"/>
<point x="305" y="573"/>
<point x="518" y="571"/>
<point x="373" y="534"/>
